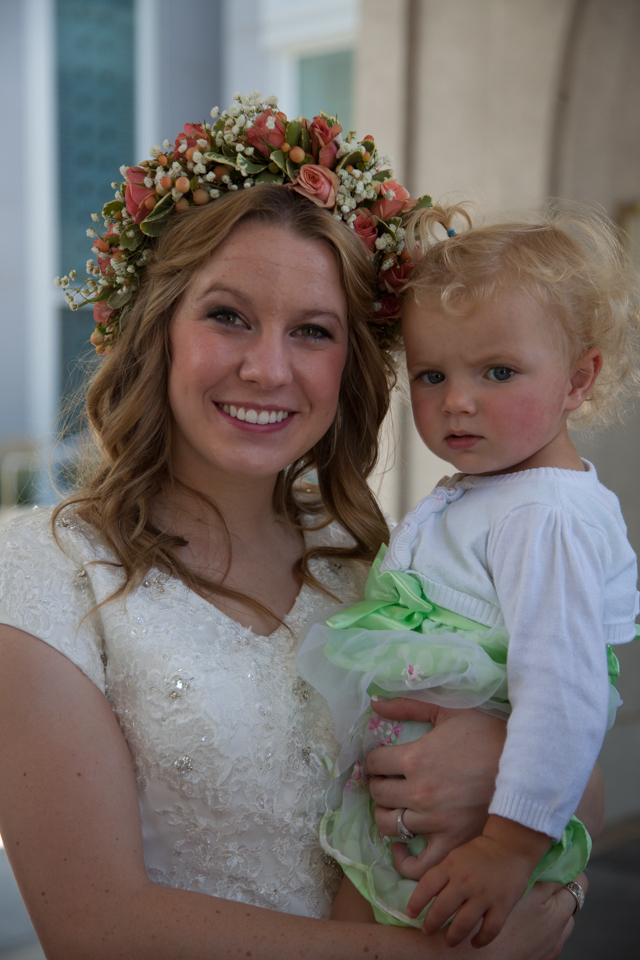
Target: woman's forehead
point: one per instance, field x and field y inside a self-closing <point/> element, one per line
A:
<point x="266" y="265"/>
<point x="261" y="257"/>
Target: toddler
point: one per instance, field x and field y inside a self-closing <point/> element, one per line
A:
<point x="506" y="587"/>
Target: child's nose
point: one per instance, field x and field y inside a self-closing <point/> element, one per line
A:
<point x="458" y="398"/>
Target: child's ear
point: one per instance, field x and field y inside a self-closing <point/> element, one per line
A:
<point x="584" y="375"/>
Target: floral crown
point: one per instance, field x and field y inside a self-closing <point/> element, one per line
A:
<point x="248" y="144"/>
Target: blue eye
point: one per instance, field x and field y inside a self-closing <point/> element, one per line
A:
<point x="432" y="376"/>
<point x="500" y="374"/>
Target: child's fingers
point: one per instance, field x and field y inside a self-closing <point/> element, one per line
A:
<point x="404" y="862"/>
<point x="464" y="922"/>
<point x="413" y="868"/>
<point x="444" y="906"/>
<point x="494" y="921"/>
<point x="428" y="887"/>
<point x="439" y="847"/>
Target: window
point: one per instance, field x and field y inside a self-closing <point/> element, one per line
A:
<point x="326" y="83"/>
<point x="95" y="74"/>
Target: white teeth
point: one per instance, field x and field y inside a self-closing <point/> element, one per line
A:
<point x="252" y="416"/>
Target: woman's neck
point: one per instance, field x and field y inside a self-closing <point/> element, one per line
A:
<point x="243" y="543"/>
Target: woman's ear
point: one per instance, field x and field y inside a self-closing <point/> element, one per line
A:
<point x="584" y="375"/>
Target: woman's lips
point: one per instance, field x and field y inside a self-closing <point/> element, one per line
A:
<point x="463" y="442"/>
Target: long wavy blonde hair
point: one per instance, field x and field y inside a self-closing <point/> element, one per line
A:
<point x="131" y="422"/>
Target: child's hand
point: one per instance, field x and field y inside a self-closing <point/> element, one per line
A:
<point x="482" y="880"/>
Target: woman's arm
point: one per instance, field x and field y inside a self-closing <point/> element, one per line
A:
<point x="446" y="780"/>
<point x="70" y="821"/>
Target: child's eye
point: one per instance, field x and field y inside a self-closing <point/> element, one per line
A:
<point x="500" y="374"/>
<point x="432" y="376"/>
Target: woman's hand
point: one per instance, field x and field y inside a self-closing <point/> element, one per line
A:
<point x="449" y="779"/>
<point x="444" y="781"/>
<point x="537" y="929"/>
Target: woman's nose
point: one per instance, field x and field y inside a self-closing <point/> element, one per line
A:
<point x="267" y="362"/>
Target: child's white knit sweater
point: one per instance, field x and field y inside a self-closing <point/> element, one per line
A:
<point x="543" y="553"/>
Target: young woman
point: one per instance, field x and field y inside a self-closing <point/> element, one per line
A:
<point x="163" y="765"/>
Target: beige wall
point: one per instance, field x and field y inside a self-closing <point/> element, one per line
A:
<point x="507" y="102"/>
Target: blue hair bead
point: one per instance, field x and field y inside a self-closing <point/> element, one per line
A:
<point x="450" y="233"/>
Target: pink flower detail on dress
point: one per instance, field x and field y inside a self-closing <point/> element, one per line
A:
<point x="412" y="675"/>
<point x="374" y="723"/>
<point x="390" y="733"/>
<point x="357" y="779"/>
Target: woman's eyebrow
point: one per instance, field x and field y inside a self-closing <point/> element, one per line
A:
<point x="221" y="288"/>
<point x="311" y="312"/>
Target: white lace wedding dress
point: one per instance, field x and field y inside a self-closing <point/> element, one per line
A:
<point x="229" y="744"/>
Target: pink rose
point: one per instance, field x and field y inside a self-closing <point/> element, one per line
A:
<point x="136" y="193"/>
<point x="322" y="136"/>
<point x="102" y="312"/>
<point x="264" y="137"/>
<point x="317" y="184"/>
<point x="191" y="134"/>
<point x="365" y="226"/>
<point x="390" y="307"/>
<point x="397" y="276"/>
<point x="401" y="203"/>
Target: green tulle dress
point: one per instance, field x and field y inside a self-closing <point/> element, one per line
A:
<point x="397" y="643"/>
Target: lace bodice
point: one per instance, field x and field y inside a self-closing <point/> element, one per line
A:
<point x="229" y="744"/>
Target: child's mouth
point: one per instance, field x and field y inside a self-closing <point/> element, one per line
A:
<point x="461" y="441"/>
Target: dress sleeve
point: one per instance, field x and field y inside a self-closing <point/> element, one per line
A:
<point x="549" y="571"/>
<point x="45" y="591"/>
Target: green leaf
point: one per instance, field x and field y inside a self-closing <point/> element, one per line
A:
<point x="119" y="298"/>
<point x="382" y="175"/>
<point x="293" y="169"/>
<point x="293" y="131"/>
<point x="160" y="210"/>
<point x="277" y="157"/>
<point x="112" y="207"/>
<point x="193" y="183"/>
<point x="131" y="243"/>
<point x="266" y="177"/>
<point x="153" y="228"/>
<point x="327" y="116"/>
<point x="104" y="295"/>
<point x="214" y="157"/>
<point x="351" y="158"/>
<point x="251" y="168"/>
<point x="305" y="140"/>
<point x="423" y="203"/>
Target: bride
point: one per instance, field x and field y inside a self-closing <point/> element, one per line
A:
<point x="163" y="764"/>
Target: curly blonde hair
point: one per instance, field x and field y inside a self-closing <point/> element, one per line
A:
<point x="131" y="423"/>
<point x="571" y="262"/>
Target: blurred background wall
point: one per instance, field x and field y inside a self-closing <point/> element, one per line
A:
<point x="502" y="101"/>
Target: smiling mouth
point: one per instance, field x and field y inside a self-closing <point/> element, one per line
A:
<point x="251" y="415"/>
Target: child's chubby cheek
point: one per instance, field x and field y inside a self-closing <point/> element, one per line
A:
<point x="527" y="421"/>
